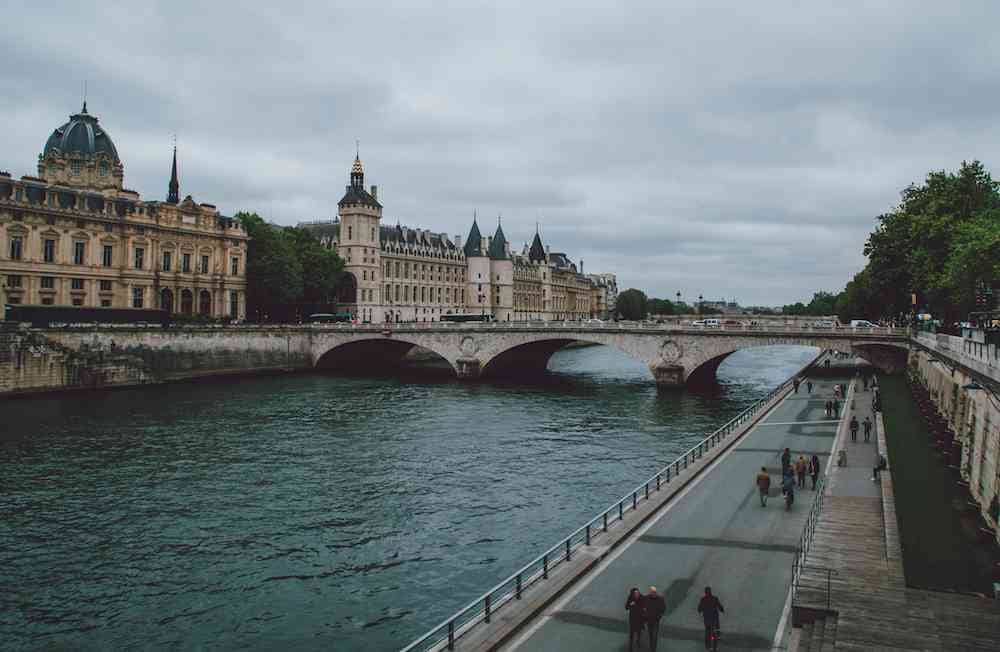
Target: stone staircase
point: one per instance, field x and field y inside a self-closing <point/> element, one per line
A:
<point x="820" y="635"/>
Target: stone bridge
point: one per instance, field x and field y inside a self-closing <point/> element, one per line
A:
<point x="675" y="356"/>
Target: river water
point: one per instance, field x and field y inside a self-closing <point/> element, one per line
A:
<point x="316" y="511"/>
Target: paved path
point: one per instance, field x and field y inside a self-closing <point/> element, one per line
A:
<point x="714" y="533"/>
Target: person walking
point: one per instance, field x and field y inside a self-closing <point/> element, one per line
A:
<point x="809" y="386"/>
<point x="709" y="607"/>
<point x="854" y="428"/>
<point x="800" y="471"/>
<point x="654" y="608"/>
<point x="763" y="485"/>
<point x="836" y="390"/>
<point x="868" y="428"/>
<point x="836" y="409"/>
<point x="636" y="618"/>
<point x="795" y="384"/>
<point x="829" y="408"/>
<point x="814" y="469"/>
<point x="786" y="461"/>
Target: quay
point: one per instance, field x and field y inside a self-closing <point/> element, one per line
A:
<point x="826" y="575"/>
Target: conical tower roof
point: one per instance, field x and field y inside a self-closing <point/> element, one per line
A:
<point x="537" y="252"/>
<point x="473" y="245"/>
<point x="498" y="245"/>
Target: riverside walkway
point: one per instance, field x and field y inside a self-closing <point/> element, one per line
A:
<point x="851" y="593"/>
<point x="714" y="533"/>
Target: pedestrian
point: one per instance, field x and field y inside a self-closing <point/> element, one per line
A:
<point x="814" y="469"/>
<point x="709" y="607"/>
<point x="795" y="384"/>
<point x="809" y="386"/>
<point x="836" y="390"/>
<point x="854" y="428"/>
<point x="654" y="608"/>
<point x="829" y="408"/>
<point x="868" y="429"/>
<point x="763" y="485"/>
<point x="881" y="466"/>
<point x="786" y="461"/>
<point x="836" y="409"/>
<point x="800" y="471"/>
<point x="636" y="618"/>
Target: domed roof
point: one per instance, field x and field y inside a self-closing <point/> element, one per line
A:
<point x="81" y="135"/>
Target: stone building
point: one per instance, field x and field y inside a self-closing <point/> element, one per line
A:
<point x="397" y="273"/>
<point x="75" y="236"/>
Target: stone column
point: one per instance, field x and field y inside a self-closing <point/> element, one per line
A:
<point x="467" y="368"/>
<point x="668" y="375"/>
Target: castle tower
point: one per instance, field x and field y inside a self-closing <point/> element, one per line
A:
<point x="360" y="216"/>
<point x="501" y="276"/>
<point x="478" y="265"/>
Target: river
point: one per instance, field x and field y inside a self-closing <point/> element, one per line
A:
<point x="315" y="511"/>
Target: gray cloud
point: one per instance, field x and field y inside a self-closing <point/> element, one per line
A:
<point x="729" y="150"/>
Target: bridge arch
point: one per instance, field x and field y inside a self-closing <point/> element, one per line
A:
<point x="532" y="354"/>
<point x="886" y="356"/>
<point x="371" y="354"/>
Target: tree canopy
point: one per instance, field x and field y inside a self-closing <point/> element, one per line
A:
<point x="631" y="304"/>
<point x="288" y="271"/>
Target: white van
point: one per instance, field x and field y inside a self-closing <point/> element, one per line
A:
<point x="862" y="323"/>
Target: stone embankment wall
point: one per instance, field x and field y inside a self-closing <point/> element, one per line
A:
<point x="971" y="407"/>
<point x="54" y="360"/>
<point x="31" y="362"/>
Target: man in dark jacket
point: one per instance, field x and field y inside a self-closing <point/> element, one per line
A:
<point x="654" y="609"/>
<point x="709" y="607"/>
<point x="786" y="461"/>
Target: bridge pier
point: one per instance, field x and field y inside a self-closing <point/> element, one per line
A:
<point x="668" y="375"/>
<point x="468" y="368"/>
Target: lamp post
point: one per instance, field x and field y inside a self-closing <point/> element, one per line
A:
<point x="678" y="308"/>
<point x="699" y="303"/>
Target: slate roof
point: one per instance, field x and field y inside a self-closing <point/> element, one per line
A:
<point x="537" y="252"/>
<point x="81" y="135"/>
<point x="358" y="195"/>
<point x="473" y="244"/>
<point x="498" y="245"/>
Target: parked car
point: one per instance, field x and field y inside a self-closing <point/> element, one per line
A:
<point x="707" y="323"/>
<point x="862" y="323"/>
<point x="824" y="323"/>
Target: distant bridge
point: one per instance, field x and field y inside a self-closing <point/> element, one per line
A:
<point x="676" y="356"/>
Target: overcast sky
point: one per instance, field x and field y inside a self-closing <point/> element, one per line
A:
<point x="734" y="151"/>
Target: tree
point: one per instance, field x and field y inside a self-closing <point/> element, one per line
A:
<point x="274" y="274"/>
<point x="660" y="307"/>
<point x="631" y="305"/>
<point x="322" y="268"/>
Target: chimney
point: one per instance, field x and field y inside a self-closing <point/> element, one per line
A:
<point x="581" y="265"/>
<point x="458" y="242"/>
<point x="374" y="191"/>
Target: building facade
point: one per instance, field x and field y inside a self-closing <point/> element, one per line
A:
<point x="75" y="236"/>
<point x="402" y="274"/>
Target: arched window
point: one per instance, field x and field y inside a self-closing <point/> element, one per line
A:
<point x="205" y="303"/>
<point x="187" y="302"/>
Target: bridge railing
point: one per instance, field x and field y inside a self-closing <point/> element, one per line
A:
<point x="485" y="607"/>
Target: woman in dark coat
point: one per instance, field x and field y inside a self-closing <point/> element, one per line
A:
<point x="633" y="605"/>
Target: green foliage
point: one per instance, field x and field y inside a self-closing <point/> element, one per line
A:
<point x="660" y="307"/>
<point x="822" y="303"/>
<point x="286" y="268"/>
<point x="631" y="304"/>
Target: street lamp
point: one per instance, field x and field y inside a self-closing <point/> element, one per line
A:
<point x="678" y="307"/>
<point x="699" y="303"/>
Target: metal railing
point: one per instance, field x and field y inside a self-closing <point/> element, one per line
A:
<point x="484" y="608"/>
<point x="805" y="540"/>
<point x="823" y="583"/>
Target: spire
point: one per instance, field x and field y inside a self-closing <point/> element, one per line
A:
<point x="173" y="190"/>
<point x="498" y="245"/>
<point x="537" y="252"/>
<point x="473" y="244"/>
<point x="357" y="170"/>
